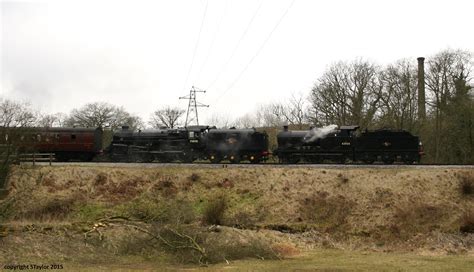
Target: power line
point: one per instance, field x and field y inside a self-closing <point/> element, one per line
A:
<point x="237" y="46"/>
<point x="258" y="52"/>
<point x="213" y="40"/>
<point x="196" y="46"/>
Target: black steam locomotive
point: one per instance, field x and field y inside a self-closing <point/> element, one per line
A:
<point x="189" y="144"/>
<point x="204" y="143"/>
<point x="347" y="144"/>
<point x="161" y="145"/>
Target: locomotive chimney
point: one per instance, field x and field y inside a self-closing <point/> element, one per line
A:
<point x="421" y="89"/>
<point x="285" y="128"/>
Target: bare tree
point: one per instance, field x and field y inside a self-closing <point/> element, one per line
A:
<point x="246" y="121"/>
<point x="15" y="118"/>
<point x="399" y="96"/>
<point x="101" y="114"/>
<point x="347" y="93"/>
<point x="445" y="70"/>
<point x="15" y="114"/>
<point x="52" y="120"/>
<point x="293" y="112"/>
<point x="219" y="120"/>
<point x="166" y="117"/>
<point x="271" y="115"/>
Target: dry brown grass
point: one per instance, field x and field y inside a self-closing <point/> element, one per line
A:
<point x="285" y="250"/>
<point x="355" y="207"/>
<point x="166" y="187"/>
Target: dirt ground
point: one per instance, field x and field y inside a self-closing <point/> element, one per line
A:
<point x="104" y="216"/>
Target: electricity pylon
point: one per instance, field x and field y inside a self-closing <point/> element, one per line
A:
<point x="193" y="105"/>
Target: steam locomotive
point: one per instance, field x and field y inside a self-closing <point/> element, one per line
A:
<point x="329" y="144"/>
<point x="346" y="144"/>
<point x="189" y="144"/>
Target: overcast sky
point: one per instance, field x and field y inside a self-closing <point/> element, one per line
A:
<point x="143" y="55"/>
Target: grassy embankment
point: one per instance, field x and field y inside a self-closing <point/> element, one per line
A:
<point x="313" y="218"/>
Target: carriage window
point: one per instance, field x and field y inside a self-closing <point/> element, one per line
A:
<point x="57" y="137"/>
<point x="73" y="137"/>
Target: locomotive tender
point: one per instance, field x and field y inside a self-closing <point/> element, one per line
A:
<point x="206" y="143"/>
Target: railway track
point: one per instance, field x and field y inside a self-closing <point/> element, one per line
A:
<point x="247" y="165"/>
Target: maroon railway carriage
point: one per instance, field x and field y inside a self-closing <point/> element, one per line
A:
<point x="66" y="143"/>
<point x="69" y="143"/>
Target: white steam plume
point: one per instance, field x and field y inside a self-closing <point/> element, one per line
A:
<point x="319" y="133"/>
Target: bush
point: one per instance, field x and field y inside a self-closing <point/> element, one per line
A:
<point x="328" y="212"/>
<point x="466" y="183"/>
<point x="192" y="244"/>
<point x="467" y="222"/>
<point x="166" y="187"/>
<point x="56" y="208"/>
<point x="194" y="177"/>
<point x="284" y="250"/>
<point x="214" y="210"/>
<point x="89" y="211"/>
<point x="411" y="218"/>
<point x="151" y="209"/>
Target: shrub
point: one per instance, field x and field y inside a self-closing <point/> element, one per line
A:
<point x="342" y="178"/>
<point x="215" y="209"/>
<point x="411" y="218"/>
<point x="192" y="244"/>
<point x="467" y="222"/>
<point x="327" y="212"/>
<point x="151" y="209"/>
<point x="89" y="211"/>
<point x="100" y="179"/>
<point x="194" y="177"/>
<point x="466" y="183"/>
<point x="56" y="208"/>
<point x="166" y="187"/>
<point x="284" y="250"/>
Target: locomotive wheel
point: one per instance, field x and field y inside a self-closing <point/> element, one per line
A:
<point x="284" y="160"/>
<point x="255" y="160"/>
<point x="389" y="160"/>
<point x="293" y="160"/>
<point x="316" y="160"/>
<point x="234" y="159"/>
<point x="215" y="159"/>
<point x="187" y="158"/>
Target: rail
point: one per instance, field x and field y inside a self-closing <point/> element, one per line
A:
<point x="37" y="157"/>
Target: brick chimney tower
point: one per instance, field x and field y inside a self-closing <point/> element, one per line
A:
<point x="421" y="89"/>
